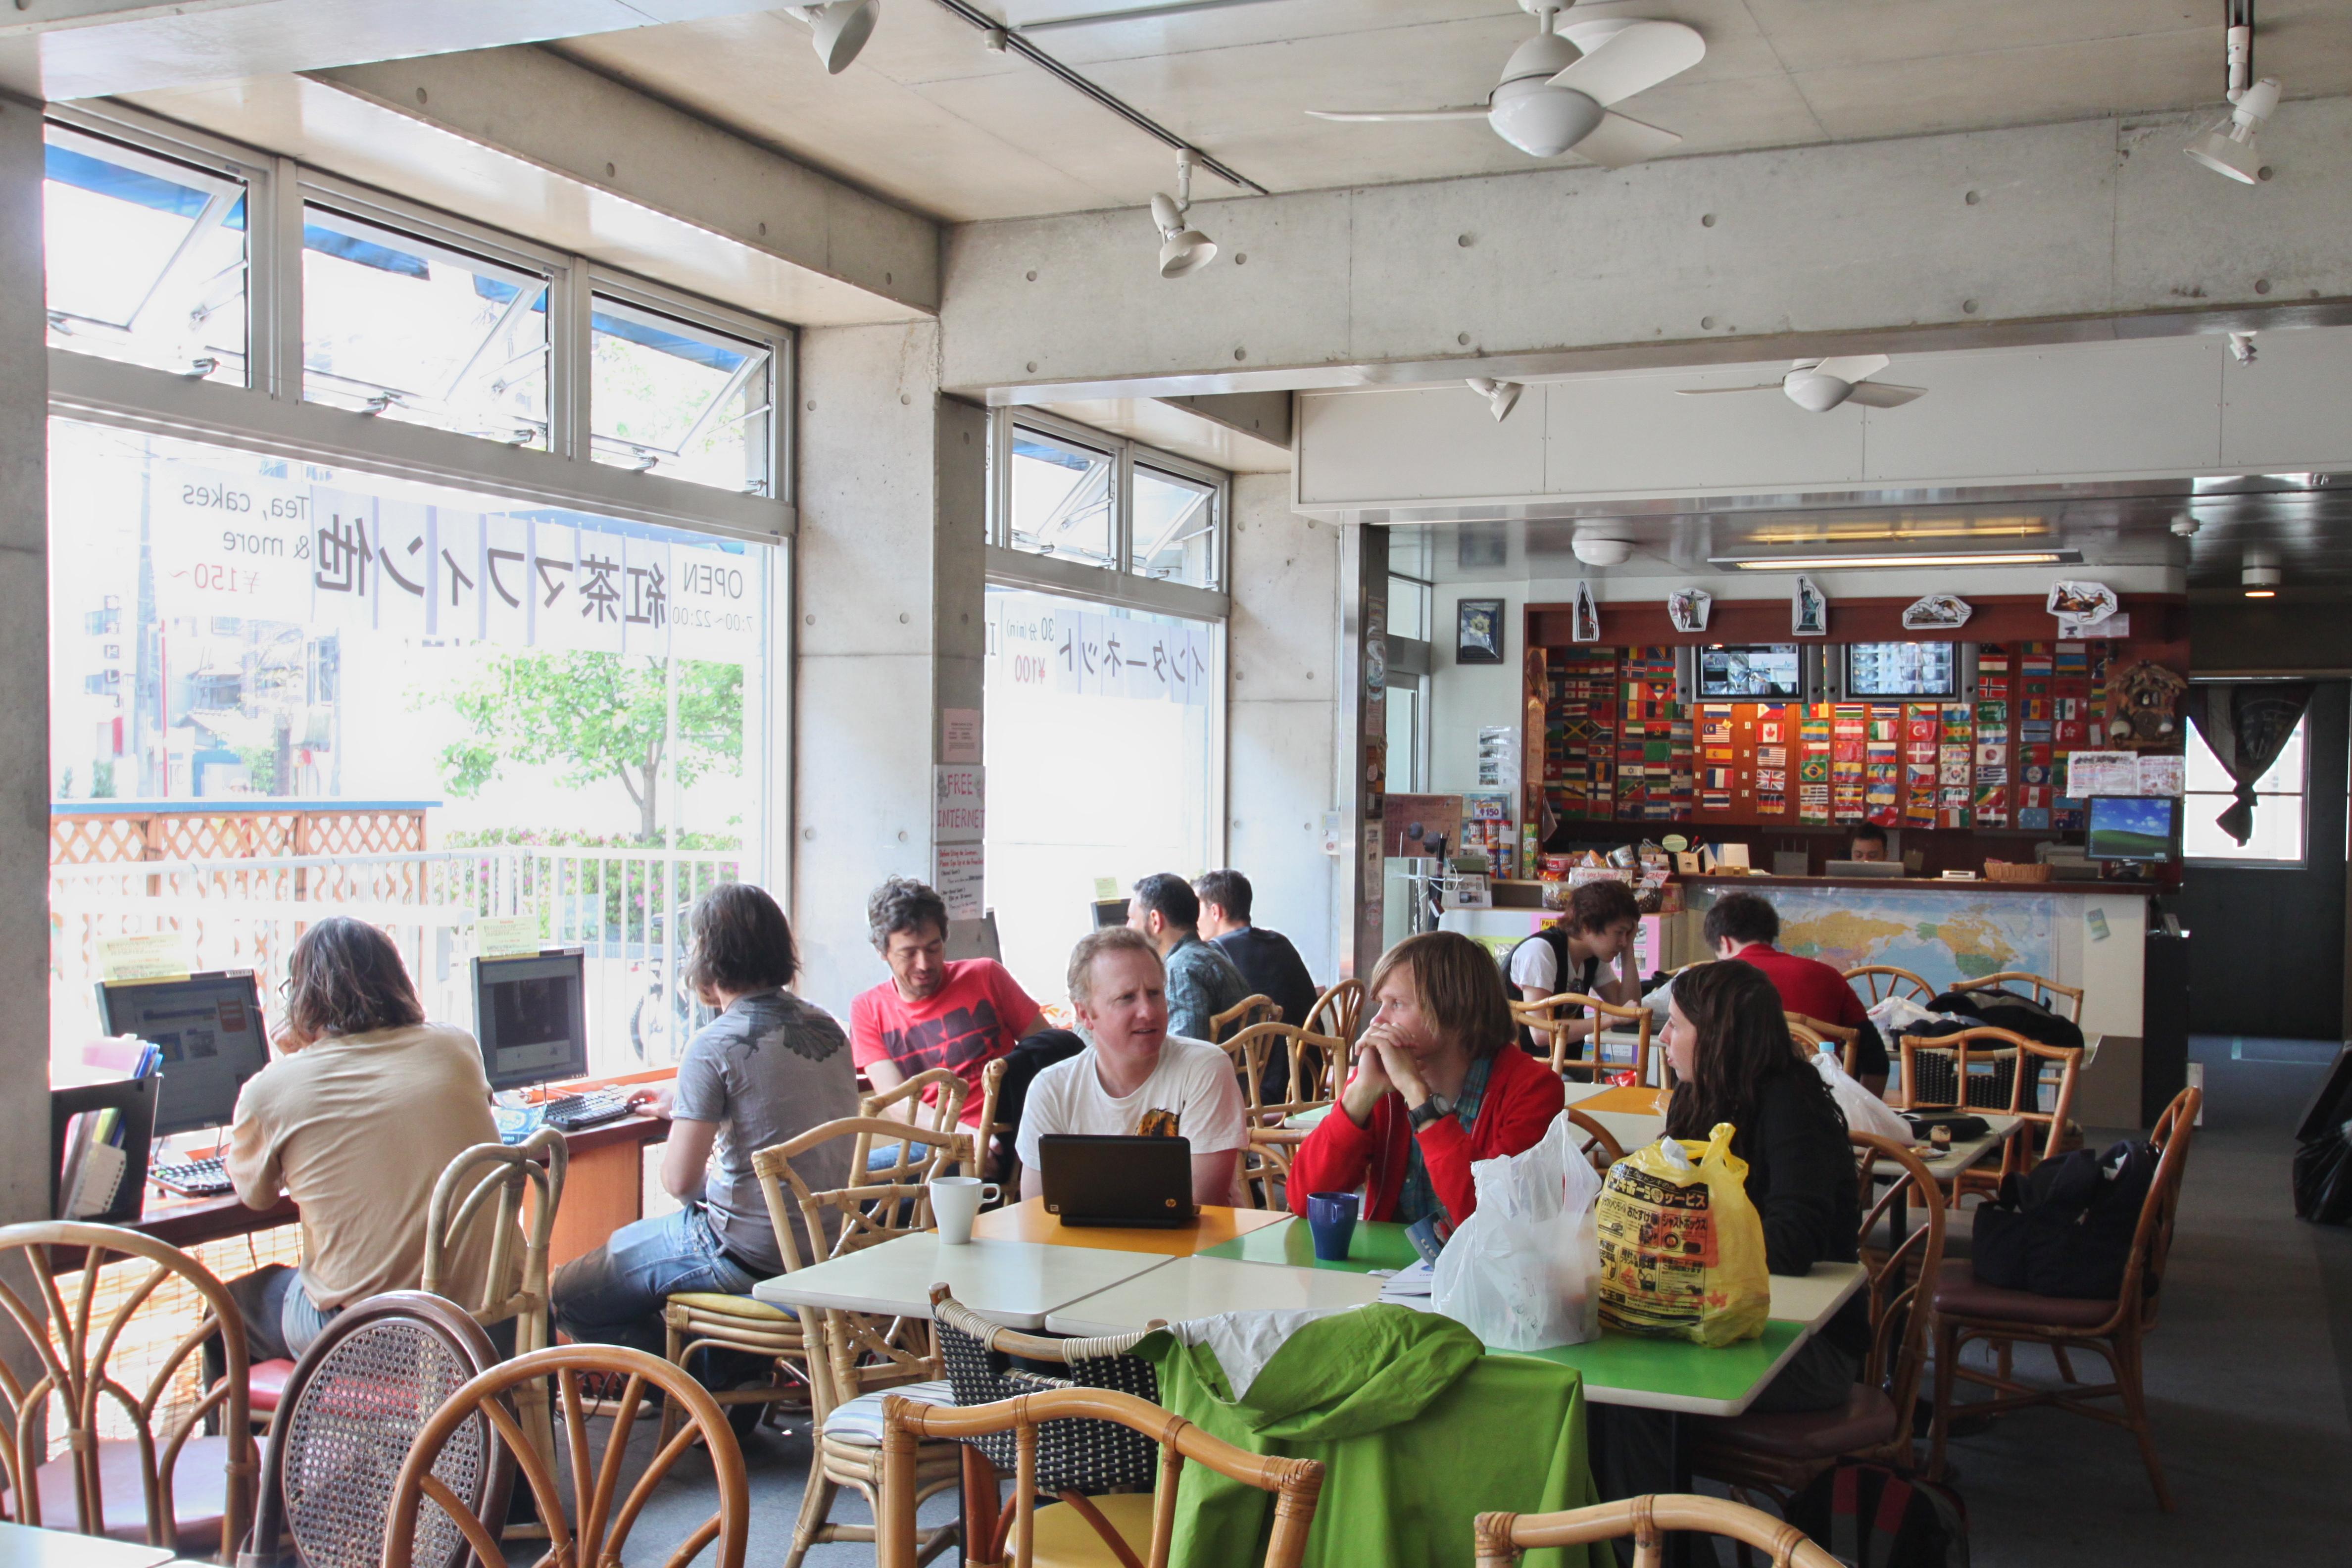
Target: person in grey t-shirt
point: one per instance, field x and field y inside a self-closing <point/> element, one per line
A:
<point x="768" y="1069"/>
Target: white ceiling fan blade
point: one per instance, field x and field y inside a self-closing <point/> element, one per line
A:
<point x="1853" y="368"/>
<point x="1620" y="139"/>
<point x="1366" y="116"/>
<point x="1709" y="391"/>
<point x="1634" y="58"/>
<point x="1883" y="394"/>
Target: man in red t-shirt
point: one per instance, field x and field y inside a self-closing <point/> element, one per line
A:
<point x="931" y="1013"/>
<point x="1744" y="926"/>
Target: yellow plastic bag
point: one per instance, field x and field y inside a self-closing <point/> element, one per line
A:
<point x="1682" y="1249"/>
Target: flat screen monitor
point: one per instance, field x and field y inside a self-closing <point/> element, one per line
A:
<point x="1752" y="669"/>
<point x="530" y="1016"/>
<point x="211" y="1032"/>
<point x="2143" y="828"/>
<point x="1903" y="669"/>
<point x="1109" y="912"/>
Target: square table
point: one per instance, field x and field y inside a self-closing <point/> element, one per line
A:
<point x="1206" y="1287"/>
<point x="23" y="1546"/>
<point x="1015" y="1283"/>
<point x="1216" y="1227"/>
<point x="1632" y="1116"/>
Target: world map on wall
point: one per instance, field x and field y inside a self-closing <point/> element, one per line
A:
<point x="1942" y="938"/>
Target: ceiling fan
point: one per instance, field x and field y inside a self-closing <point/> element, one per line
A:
<point x="1818" y="385"/>
<point x="1556" y="91"/>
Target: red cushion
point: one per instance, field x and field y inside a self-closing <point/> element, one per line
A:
<point x="199" y="1492"/>
<point x="1959" y="1292"/>
<point x="266" y="1382"/>
<point x="1866" y="1420"/>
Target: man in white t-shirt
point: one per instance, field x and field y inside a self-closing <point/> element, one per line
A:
<point x="1135" y="1077"/>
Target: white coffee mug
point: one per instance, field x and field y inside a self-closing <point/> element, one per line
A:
<point x="955" y="1204"/>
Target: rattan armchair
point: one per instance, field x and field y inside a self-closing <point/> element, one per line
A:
<point x="1337" y="1012"/>
<point x="487" y="1183"/>
<point x="1545" y="1019"/>
<point x="1939" y="1073"/>
<point x="1501" y="1537"/>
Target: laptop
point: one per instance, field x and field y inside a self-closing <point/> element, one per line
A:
<point x="1130" y="1181"/>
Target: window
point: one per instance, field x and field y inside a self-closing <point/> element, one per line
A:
<point x="145" y="257"/>
<point x="1061" y="500"/>
<point x="400" y="326"/>
<point x="1068" y="493"/>
<point x="2277" y="839"/>
<point x="1175" y="532"/>
<point x="1409" y="607"/>
<point x="670" y="398"/>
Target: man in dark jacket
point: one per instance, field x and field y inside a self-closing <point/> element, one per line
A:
<point x="1265" y="958"/>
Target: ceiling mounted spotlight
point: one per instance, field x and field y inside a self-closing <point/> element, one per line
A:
<point x="2184" y="525"/>
<point x="1601" y="549"/>
<point x="2227" y="147"/>
<point x="839" y="29"/>
<point x="2258" y="574"/>
<point x="1501" y="397"/>
<point x="2242" y="347"/>
<point x="1183" y="250"/>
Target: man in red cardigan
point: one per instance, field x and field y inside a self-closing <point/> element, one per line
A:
<point x="1437" y="1084"/>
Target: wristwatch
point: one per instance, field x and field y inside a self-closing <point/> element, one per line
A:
<point x="1429" y="1111"/>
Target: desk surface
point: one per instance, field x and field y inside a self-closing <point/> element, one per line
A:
<point x="22" y="1546"/>
<point x="1206" y="1287"/>
<point x="1216" y="1228"/>
<point x="1015" y="1283"/>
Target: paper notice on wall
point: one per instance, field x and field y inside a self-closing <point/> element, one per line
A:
<point x="958" y="876"/>
<point x="958" y="734"/>
<point x="956" y="813"/>
<point x="161" y="955"/>
<point x="2165" y="775"/>
<point x="2105" y="772"/>
<point x="506" y="936"/>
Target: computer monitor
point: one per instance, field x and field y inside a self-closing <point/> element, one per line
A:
<point x="1752" y="669"/>
<point x="1109" y="912"/>
<point x="2141" y="828"/>
<point x="1901" y="669"/>
<point x="530" y="1014"/>
<point x="211" y="1032"/>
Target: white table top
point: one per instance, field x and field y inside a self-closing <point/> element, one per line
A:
<point x="1965" y="1153"/>
<point x="1015" y="1283"/>
<point x="1205" y="1287"/>
<point x="1813" y="1298"/>
<point x="22" y="1546"/>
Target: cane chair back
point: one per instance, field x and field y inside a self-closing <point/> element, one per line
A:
<point x="1550" y="1018"/>
<point x="1877" y="981"/>
<point x="1249" y="1010"/>
<point x="1811" y="1034"/>
<point x="2041" y="987"/>
<point x="1595" y="1142"/>
<point x="986" y="1135"/>
<point x="187" y="1483"/>
<point x="944" y="1115"/>
<point x="1501" y="1537"/>
<point x="594" y="1527"/>
<point x="984" y="1365"/>
<point x="515" y="1187"/>
<point x="1265" y="1161"/>
<point x="353" y="1406"/>
<point x="1298" y="1484"/>
<point x="1999" y="1070"/>
<point x="1338" y="1012"/>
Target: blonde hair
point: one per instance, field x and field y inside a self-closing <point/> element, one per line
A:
<point x="1110" y="939"/>
<point x="1460" y="987"/>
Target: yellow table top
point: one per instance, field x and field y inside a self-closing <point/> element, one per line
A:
<point x="1625" y="1101"/>
<point x="1030" y="1222"/>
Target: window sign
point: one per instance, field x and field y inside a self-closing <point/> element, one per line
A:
<point x="1040" y="640"/>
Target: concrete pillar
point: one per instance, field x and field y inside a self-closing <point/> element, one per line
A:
<point x="889" y="617"/>
<point x="1363" y="738"/>
<point x="1282" y="700"/>
<point x="23" y="675"/>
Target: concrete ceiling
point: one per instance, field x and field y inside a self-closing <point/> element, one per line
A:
<point x="929" y="117"/>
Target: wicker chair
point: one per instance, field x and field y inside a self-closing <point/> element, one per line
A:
<point x="1599" y="1146"/>
<point x="1877" y="981"/>
<point x="1966" y="1309"/>
<point x="172" y="1489"/>
<point x="1251" y="1009"/>
<point x="944" y="1114"/>
<point x="513" y="1289"/>
<point x="604" y="1518"/>
<point x="1781" y="1453"/>
<point x="2041" y="987"/>
<point x="985" y="1135"/>
<point x="1545" y="1019"/>
<point x="1938" y="1074"/>
<point x="1337" y="1012"/>
<point x="1501" y="1537"/>
<point x="1266" y="1163"/>
<point x="1813" y="1034"/>
<point x="1069" y="1536"/>
<point x="356" y="1402"/>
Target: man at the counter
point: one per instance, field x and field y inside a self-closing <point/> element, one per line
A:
<point x="1869" y="843"/>
<point x="1744" y="926"/>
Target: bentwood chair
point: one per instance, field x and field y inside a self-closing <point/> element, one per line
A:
<point x="588" y="1521"/>
<point x="168" y="1486"/>
<point x="1305" y="1058"/>
<point x="1598" y="1145"/>
<point x="985" y="1137"/>
<point x="1550" y="1018"/>
<point x="1501" y="1537"/>
<point x="2041" y="987"/>
<point x="1877" y="981"/>
<point x="1999" y="1070"/>
<point x="1811" y="1034"/>
<point x="1068" y="1535"/>
<point x="1966" y="1310"/>
<point x="944" y="1114"/>
<point x="1780" y="1454"/>
<point x="488" y="1184"/>
<point x="854" y="1358"/>
<point x="1338" y="1011"/>
<point x="353" y="1406"/>
<point x="1251" y="1009"/>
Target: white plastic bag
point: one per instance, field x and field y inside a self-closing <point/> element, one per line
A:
<point x="1864" y="1111"/>
<point x="1523" y="1272"/>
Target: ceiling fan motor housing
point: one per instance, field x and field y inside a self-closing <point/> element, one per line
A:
<point x="1529" y="112"/>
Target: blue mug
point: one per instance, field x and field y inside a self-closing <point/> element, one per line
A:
<point x="1332" y="1217"/>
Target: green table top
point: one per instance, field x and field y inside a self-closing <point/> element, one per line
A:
<point x="1376" y="1244"/>
<point x="1674" y="1374"/>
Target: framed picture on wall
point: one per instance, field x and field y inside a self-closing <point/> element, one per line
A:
<point x="1478" y="631"/>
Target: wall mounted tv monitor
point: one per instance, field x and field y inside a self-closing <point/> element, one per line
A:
<point x="1901" y="669"/>
<point x="2143" y="828"/>
<point x="1750" y="670"/>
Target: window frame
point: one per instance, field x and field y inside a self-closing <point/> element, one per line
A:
<point x="2191" y="799"/>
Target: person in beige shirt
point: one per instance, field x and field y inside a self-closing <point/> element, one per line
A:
<point x="363" y="1107"/>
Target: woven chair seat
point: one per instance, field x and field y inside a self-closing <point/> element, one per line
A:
<point x="859" y="1422"/>
<point x="199" y="1491"/>
<point x="725" y="1305"/>
<point x="1067" y="1539"/>
<point x="1866" y="1420"/>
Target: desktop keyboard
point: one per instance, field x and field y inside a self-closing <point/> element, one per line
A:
<point x="204" y="1178"/>
<point x="572" y="1112"/>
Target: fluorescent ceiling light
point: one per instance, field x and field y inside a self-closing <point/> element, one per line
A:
<point x="1857" y="562"/>
<point x="1988" y="527"/>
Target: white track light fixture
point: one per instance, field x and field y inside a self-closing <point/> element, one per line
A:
<point x="840" y="29"/>
<point x="1501" y="397"/>
<point x="1183" y="250"/>
<point x="2258" y="575"/>
<point x="2227" y="145"/>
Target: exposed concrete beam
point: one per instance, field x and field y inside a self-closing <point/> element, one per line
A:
<point x="529" y="142"/>
<point x="60" y="50"/>
<point x="2044" y="234"/>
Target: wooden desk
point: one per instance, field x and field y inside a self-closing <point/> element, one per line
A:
<point x="1029" y="1222"/>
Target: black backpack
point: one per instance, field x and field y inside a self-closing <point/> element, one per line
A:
<point x="2066" y="1228"/>
<point x="1868" y="1516"/>
<point x="2003" y="1010"/>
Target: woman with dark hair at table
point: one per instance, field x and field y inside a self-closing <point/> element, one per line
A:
<point x="1434" y="1088"/>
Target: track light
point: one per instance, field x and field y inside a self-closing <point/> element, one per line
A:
<point x="840" y="29"/>
<point x="1184" y="250"/>
<point x="2258" y="574"/>
<point x="1501" y="397"/>
<point x="2227" y="147"/>
<point x="2242" y="347"/>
